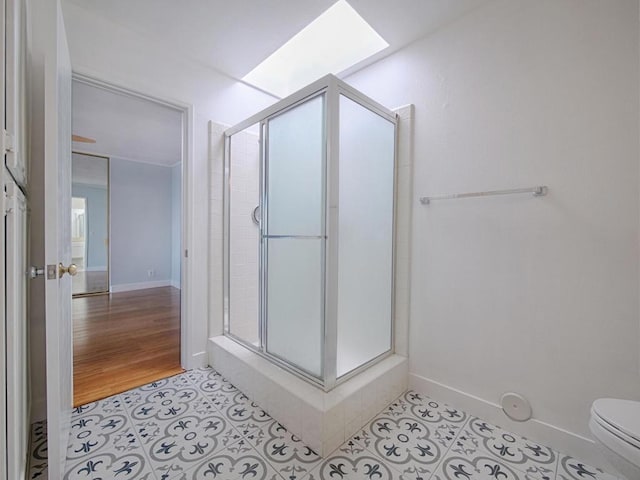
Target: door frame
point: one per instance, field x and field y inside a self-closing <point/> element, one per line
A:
<point x="187" y="348"/>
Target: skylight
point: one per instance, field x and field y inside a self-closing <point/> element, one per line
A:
<point x="333" y="42"/>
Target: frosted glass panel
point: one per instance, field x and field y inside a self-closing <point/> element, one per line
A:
<point x="244" y="236"/>
<point x="296" y="170"/>
<point x="294" y="302"/>
<point x="365" y="244"/>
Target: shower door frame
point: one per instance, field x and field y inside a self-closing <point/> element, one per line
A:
<point x="331" y="88"/>
<point x="264" y="237"/>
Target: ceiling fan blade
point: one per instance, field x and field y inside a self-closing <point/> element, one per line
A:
<point x="78" y="138"/>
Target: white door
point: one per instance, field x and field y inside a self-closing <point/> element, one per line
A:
<point x="54" y="147"/>
<point x="3" y="367"/>
<point x="15" y="236"/>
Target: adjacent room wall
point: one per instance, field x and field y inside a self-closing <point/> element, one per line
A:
<point x="515" y="293"/>
<point x="97" y="224"/>
<point x="141" y="225"/>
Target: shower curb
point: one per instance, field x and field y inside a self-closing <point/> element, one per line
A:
<point x="322" y="420"/>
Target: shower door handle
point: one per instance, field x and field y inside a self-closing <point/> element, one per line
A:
<point x="254" y="215"/>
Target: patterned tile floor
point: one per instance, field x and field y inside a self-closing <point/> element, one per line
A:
<point x="198" y="426"/>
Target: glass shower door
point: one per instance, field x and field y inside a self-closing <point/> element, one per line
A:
<point x="293" y="235"/>
<point x="243" y="196"/>
<point x="365" y="244"/>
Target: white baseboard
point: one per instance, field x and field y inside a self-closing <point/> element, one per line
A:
<point x="198" y="360"/>
<point x="175" y="284"/>
<point x="127" y="287"/>
<point x="538" y="431"/>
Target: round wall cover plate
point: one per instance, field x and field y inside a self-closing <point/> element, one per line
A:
<point x="515" y="406"/>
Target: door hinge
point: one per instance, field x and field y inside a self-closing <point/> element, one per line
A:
<point x="7" y="142"/>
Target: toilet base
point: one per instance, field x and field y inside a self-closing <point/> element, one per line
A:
<point x="621" y="466"/>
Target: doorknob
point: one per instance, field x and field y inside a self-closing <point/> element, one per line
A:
<point x="71" y="270"/>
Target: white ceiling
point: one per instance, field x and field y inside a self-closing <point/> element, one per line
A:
<point x="231" y="37"/>
<point x="125" y="126"/>
<point x="235" y="36"/>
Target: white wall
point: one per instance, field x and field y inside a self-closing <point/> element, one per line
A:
<point x="141" y="224"/>
<point x="534" y="295"/>
<point x="121" y="56"/>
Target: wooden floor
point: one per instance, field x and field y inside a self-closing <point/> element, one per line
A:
<point x="124" y="340"/>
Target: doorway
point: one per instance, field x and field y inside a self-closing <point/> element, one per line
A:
<point x="127" y="237"/>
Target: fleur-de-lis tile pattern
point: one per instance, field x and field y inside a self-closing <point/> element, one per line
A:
<point x="197" y="425"/>
<point x="38" y="445"/>
<point x="291" y="458"/>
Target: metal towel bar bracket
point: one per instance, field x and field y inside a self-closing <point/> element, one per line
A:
<point x="538" y="191"/>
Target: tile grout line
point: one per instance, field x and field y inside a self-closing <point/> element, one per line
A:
<point x="217" y="411"/>
<point x="200" y="393"/>
<point x="392" y="466"/>
<point x="135" y="432"/>
<point x="555" y="473"/>
<point x="242" y="437"/>
<point x="368" y="422"/>
<point x="375" y="455"/>
<point x="198" y="463"/>
<point x="507" y="463"/>
<point x="444" y="455"/>
<point x="238" y="411"/>
<point x="555" y="470"/>
<point x="275" y="467"/>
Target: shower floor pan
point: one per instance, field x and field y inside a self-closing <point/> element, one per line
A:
<point x="322" y="420"/>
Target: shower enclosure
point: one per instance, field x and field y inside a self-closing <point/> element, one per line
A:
<point x="309" y="231"/>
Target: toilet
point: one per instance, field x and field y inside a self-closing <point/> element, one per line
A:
<point x="615" y="425"/>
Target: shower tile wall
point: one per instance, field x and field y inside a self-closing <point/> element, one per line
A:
<point x="245" y="192"/>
